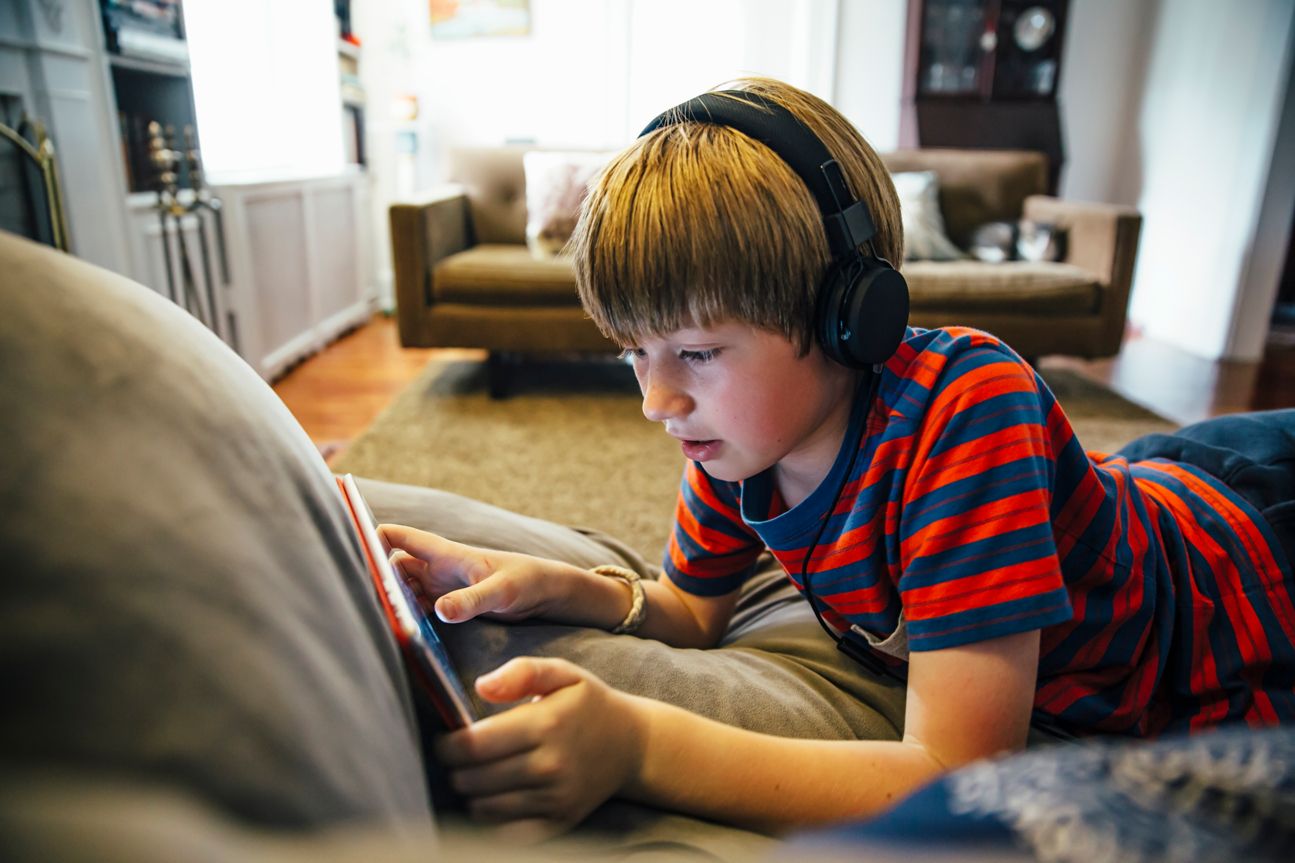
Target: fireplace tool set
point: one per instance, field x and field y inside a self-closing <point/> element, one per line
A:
<point x="175" y="212"/>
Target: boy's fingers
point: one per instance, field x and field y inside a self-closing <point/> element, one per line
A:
<point x="509" y="773"/>
<point x="417" y="542"/>
<point x="495" y="594"/>
<point x="527" y="677"/>
<point x="464" y="604"/>
<point x="406" y="563"/>
<point x="494" y="738"/>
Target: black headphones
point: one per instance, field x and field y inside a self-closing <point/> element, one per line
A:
<point x="862" y="308"/>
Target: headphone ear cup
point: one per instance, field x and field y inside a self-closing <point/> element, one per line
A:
<point x="831" y="300"/>
<point x="862" y="311"/>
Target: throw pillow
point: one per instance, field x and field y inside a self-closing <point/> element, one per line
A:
<point x="919" y="207"/>
<point x="556" y="183"/>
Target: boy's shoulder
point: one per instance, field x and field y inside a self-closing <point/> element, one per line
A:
<point x="942" y="362"/>
<point x="927" y="354"/>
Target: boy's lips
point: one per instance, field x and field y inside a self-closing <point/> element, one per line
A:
<point x="700" y="450"/>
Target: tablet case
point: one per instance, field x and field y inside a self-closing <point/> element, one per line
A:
<point x="424" y="653"/>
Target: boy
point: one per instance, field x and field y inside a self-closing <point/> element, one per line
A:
<point x="935" y="508"/>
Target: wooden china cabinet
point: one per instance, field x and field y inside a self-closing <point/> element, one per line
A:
<point x="983" y="74"/>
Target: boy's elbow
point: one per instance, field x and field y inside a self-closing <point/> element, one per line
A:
<point x="700" y="621"/>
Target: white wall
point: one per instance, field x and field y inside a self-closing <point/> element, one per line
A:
<point x="679" y="48"/>
<point x="870" y="67"/>
<point x="593" y="72"/>
<point x="1206" y="131"/>
<point x="1261" y="277"/>
<point x="1100" y="90"/>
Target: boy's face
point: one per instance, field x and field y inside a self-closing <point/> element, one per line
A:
<point x="740" y="400"/>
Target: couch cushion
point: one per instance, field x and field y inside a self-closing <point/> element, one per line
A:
<point x="495" y="184"/>
<point x="977" y="186"/>
<point x="504" y="275"/>
<point x="1021" y="287"/>
<point x="556" y="183"/>
<point x="919" y="209"/>
<point x="184" y="604"/>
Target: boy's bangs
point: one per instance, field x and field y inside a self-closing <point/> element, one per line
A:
<point x="668" y="240"/>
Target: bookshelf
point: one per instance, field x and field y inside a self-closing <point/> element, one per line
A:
<point x="352" y="90"/>
<point x="148" y="63"/>
<point x="297" y="267"/>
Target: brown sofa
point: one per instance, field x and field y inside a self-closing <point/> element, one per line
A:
<point x="464" y="276"/>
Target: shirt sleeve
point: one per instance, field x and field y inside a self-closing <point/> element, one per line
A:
<point x="711" y="550"/>
<point x="978" y="555"/>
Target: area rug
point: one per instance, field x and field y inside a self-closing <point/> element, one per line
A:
<point x="570" y="442"/>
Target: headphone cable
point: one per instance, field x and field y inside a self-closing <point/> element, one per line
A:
<point x="805" y="576"/>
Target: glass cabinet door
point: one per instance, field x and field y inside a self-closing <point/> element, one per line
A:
<point x="1029" y="49"/>
<point x="954" y="54"/>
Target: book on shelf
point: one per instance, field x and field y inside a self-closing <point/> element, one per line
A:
<point x="145" y="29"/>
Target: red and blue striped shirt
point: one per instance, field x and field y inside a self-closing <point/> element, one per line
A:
<point x="972" y="512"/>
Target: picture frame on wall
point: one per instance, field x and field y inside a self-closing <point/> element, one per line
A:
<point x="468" y="19"/>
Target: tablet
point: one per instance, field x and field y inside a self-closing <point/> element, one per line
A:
<point x="424" y="652"/>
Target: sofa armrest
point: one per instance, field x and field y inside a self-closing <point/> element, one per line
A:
<point x="1102" y="239"/>
<point x="423" y="233"/>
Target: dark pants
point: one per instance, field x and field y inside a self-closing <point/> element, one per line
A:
<point x="1253" y="454"/>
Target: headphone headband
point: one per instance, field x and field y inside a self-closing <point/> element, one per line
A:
<point x="861" y="309"/>
<point x="845" y="218"/>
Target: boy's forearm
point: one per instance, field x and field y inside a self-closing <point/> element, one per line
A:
<point x="768" y="783"/>
<point x="587" y="599"/>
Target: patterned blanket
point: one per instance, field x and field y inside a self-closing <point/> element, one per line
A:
<point x="1227" y="795"/>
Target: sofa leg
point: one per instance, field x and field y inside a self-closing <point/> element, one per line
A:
<point x="496" y="374"/>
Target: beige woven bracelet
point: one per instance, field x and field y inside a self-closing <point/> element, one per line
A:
<point x="638" y="602"/>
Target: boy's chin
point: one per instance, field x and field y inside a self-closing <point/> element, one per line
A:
<point x="717" y="469"/>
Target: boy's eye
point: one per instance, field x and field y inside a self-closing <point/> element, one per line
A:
<point x="698" y="356"/>
<point x="630" y="354"/>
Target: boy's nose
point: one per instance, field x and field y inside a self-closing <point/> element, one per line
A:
<point x="663" y="402"/>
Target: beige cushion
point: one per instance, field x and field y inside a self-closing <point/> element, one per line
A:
<point x="556" y="183"/>
<point x="919" y="208"/>
<point x="1018" y="286"/>
<point x="976" y="186"/>
<point x="505" y="275"/>
<point x="495" y="185"/>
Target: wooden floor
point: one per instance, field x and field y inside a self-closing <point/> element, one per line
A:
<point x="336" y="394"/>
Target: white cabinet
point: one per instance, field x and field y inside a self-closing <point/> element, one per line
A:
<point x="298" y="250"/>
<point x="300" y="265"/>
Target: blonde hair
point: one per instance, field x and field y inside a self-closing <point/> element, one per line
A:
<point x="696" y="223"/>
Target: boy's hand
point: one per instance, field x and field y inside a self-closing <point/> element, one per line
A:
<point x="543" y="766"/>
<point x="465" y="581"/>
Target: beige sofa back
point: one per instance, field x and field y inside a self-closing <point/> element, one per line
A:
<point x="495" y="184"/>
<point x="977" y="186"/>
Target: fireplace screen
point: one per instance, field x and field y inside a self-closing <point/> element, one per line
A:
<point x="30" y="197"/>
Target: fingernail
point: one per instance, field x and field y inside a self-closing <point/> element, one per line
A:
<point x="445" y="609"/>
